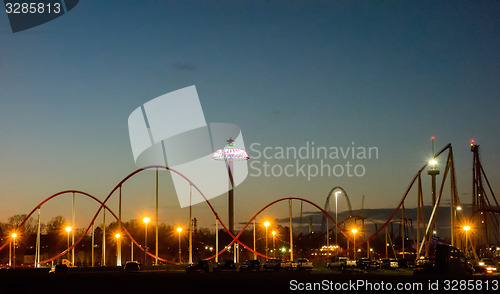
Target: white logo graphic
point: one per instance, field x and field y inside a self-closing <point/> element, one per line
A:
<point x="171" y="130"/>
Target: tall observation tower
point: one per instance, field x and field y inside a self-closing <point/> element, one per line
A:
<point x="229" y="154"/>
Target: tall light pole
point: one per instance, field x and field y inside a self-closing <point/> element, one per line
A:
<point x="254" y="251"/>
<point x="274" y="243"/>
<point x="146" y="220"/>
<point x="118" y="239"/>
<point x="179" y="230"/>
<point x="156" y="232"/>
<point x="92" y="252"/>
<point x="118" y="250"/>
<point x="291" y="228"/>
<point x="216" y="240"/>
<point x="266" y="224"/>
<point x="10" y="253"/>
<point x="191" y="226"/>
<point x="68" y="230"/>
<point x="336" y="216"/>
<point x="131" y="250"/>
<point x="38" y="238"/>
<point x="454" y="229"/>
<point x="466" y="229"/>
<point x="354" y="231"/>
<point x="14" y="236"/>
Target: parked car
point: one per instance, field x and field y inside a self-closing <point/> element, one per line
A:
<point x="227" y="266"/>
<point x="448" y="261"/>
<point x="337" y="264"/>
<point x="199" y="267"/>
<point x="132" y="266"/>
<point x="373" y="264"/>
<point x="59" y="268"/>
<point x="424" y="262"/>
<point x="290" y="265"/>
<point x="351" y="263"/>
<point x="393" y="263"/>
<point x="250" y="266"/>
<point x="406" y="263"/>
<point x="304" y="264"/>
<point x="486" y="265"/>
<point x="273" y="264"/>
<point x="388" y="263"/>
<point x="363" y="263"/>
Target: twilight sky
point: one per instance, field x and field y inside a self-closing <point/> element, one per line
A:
<point x="384" y="74"/>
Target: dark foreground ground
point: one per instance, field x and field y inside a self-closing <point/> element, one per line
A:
<point x="172" y="281"/>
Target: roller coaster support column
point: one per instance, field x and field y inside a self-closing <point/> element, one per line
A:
<point x="118" y="239"/>
<point x="73" y="232"/>
<point x="453" y="202"/>
<point x="37" y="250"/>
<point x="104" y="237"/>
<point x="420" y="213"/>
<point x="156" y="249"/>
<point x="386" y="244"/>
<point x="403" y="230"/>
<point x="190" y="229"/>
<point x="327" y="235"/>
<point x="291" y="230"/>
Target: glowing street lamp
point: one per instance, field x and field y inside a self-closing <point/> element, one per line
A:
<point x="354" y="231"/>
<point x="146" y="220"/>
<point x="68" y="230"/>
<point x="179" y="230"/>
<point x="266" y="224"/>
<point x="433" y="162"/>
<point x="118" y="250"/>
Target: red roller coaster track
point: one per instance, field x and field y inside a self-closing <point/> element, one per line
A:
<point x="234" y="238"/>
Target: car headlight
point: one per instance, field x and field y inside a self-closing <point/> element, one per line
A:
<point x="481" y="263"/>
